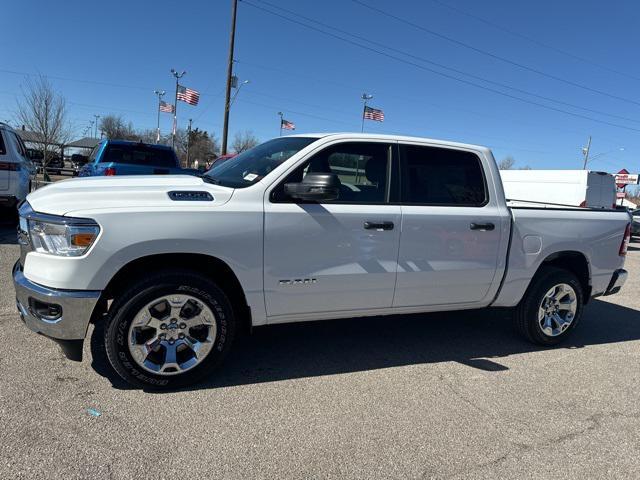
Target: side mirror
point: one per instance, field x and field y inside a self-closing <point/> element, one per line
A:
<point x="315" y="187"/>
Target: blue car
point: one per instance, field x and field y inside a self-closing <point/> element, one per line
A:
<point x="122" y="157"/>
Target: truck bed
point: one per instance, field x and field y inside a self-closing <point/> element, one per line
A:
<point x="539" y="231"/>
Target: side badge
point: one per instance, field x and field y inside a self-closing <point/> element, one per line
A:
<point x="298" y="281"/>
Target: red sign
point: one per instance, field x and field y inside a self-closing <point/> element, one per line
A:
<point x="621" y="173"/>
<point x="620" y="194"/>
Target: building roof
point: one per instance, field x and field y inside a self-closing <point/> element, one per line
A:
<point x="35" y="137"/>
<point x="85" y="142"/>
<point x="28" y="135"/>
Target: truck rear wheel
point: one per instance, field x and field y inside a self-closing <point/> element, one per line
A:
<point x="169" y="330"/>
<point x="551" y="308"/>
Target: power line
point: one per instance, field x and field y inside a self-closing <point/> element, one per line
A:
<point x="495" y="56"/>
<point x="243" y="100"/>
<point x="289" y="99"/>
<point x="87" y="81"/>
<point x="461" y="72"/>
<point x="534" y="40"/>
<point x="452" y="77"/>
<point x="106" y="109"/>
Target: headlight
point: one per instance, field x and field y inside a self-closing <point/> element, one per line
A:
<point x="61" y="239"/>
<point x="56" y="235"/>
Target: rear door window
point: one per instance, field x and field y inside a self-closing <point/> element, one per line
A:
<point x="442" y="176"/>
<point x="20" y="145"/>
<point x="134" y="155"/>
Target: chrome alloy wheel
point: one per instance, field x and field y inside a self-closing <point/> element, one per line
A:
<point x="172" y="334"/>
<point x="557" y="309"/>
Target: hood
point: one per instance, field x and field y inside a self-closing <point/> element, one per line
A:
<point x="95" y="193"/>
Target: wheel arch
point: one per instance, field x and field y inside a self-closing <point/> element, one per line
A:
<point x="573" y="261"/>
<point x="212" y="267"/>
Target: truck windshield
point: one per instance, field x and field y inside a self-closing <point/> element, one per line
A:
<point x="253" y="165"/>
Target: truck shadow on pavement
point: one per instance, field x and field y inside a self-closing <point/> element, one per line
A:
<point x="477" y="338"/>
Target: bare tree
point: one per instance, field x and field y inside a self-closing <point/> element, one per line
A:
<point x="244" y="141"/>
<point x="506" y="163"/>
<point x="203" y="146"/>
<point x="115" y="127"/>
<point x="43" y="111"/>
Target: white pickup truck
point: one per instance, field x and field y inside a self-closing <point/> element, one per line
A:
<point x="301" y="228"/>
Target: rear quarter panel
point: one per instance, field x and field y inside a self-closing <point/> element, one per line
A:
<point x="539" y="233"/>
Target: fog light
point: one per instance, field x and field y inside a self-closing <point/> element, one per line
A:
<point x="49" y="312"/>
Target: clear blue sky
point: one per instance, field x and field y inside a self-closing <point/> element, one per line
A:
<point x="108" y="57"/>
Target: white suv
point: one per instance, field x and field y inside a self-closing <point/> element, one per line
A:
<point x="15" y="168"/>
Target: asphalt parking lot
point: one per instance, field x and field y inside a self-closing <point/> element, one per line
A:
<point x="421" y="396"/>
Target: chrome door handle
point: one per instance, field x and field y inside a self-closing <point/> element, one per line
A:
<point x="378" y="225"/>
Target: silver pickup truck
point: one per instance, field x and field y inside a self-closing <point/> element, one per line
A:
<point x="306" y="227"/>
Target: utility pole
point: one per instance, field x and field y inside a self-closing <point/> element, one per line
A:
<point x="365" y="98"/>
<point x="189" y="144"/>
<point x="96" y="117"/>
<point x="227" y="99"/>
<point x="160" y="94"/>
<point x="175" y="105"/>
<point x="585" y="152"/>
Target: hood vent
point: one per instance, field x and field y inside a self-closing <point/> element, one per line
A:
<point x="190" y="196"/>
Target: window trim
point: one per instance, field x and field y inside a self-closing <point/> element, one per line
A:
<point x="22" y="149"/>
<point x="392" y="192"/>
<point x="403" y="178"/>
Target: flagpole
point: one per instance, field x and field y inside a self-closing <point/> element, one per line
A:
<point x="175" y="107"/>
<point x="280" y="113"/>
<point x="365" y="98"/>
<point x="160" y="94"/>
<point x="189" y="144"/>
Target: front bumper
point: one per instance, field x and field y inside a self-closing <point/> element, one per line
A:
<point x="62" y="315"/>
<point x="617" y="281"/>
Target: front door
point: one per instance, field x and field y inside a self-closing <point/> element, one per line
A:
<point x="339" y="255"/>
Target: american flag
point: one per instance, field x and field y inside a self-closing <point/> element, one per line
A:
<point x="187" y="95"/>
<point x="287" y="125"/>
<point x="166" y="107"/>
<point x="373" y="114"/>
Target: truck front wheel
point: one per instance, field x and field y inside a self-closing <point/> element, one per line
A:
<point x="551" y="308"/>
<point x="169" y="330"/>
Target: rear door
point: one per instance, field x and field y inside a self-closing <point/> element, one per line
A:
<point x="451" y="228"/>
<point x="601" y="190"/>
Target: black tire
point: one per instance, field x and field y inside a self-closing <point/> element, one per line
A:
<point x="526" y="313"/>
<point x="130" y="302"/>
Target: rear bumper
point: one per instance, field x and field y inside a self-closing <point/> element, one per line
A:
<point x="62" y="315"/>
<point x="617" y="281"/>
